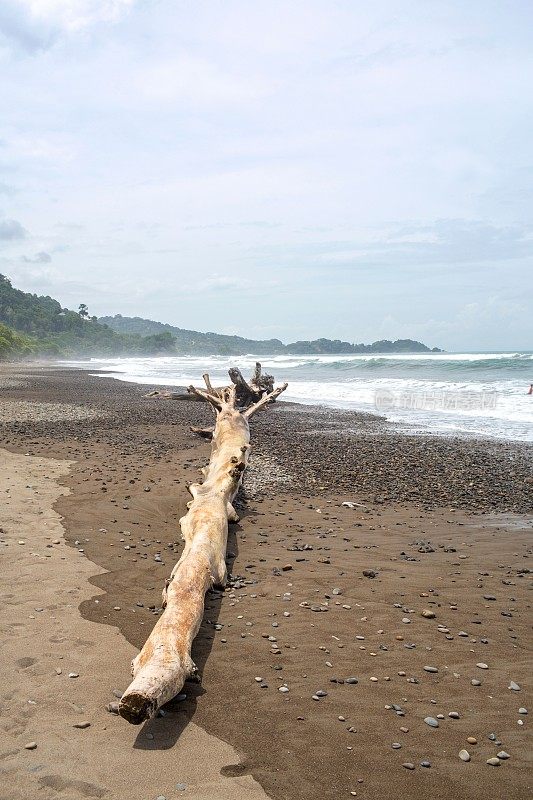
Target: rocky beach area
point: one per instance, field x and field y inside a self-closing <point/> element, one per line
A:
<point x="374" y="639"/>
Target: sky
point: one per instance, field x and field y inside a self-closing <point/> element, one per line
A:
<point x="340" y="168"/>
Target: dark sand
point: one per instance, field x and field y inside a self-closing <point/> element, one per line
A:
<point x="471" y="500"/>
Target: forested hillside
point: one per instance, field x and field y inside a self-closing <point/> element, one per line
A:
<point x="34" y="325"/>
<point x="187" y="341"/>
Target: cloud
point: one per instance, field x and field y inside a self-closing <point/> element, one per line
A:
<point x="7" y="190"/>
<point x="38" y="258"/>
<point x="19" y="30"/>
<point x="35" y="25"/>
<point x="449" y="242"/>
<point x="11" y="230"/>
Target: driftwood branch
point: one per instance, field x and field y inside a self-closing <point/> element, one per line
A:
<point x="165" y="662"/>
<point x="247" y="392"/>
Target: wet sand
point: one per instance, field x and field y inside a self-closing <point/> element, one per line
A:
<point x="443" y="525"/>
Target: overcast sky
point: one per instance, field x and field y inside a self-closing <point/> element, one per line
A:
<point x="352" y="169"/>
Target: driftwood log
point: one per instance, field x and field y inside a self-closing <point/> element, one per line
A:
<point x="165" y="662"/>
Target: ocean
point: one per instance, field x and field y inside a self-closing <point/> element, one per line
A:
<point x="470" y="394"/>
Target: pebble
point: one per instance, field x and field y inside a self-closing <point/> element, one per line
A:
<point x="453" y="715"/>
<point x="514" y="686"/>
<point x="493" y="762"/>
<point x="396" y="745"/>
<point x="475" y="682"/>
<point x="84" y="724"/>
<point x="74" y="675"/>
<point x="482" y="665"/>
<point x="408" y="765"/>
<point x="432" y="722"/>
<point x="426" y="764"/>
<point x="112" y="708"/>
<point x="522" y="710"/>
<point x="464" y="755"/>
<point x="30" y="746"/>
<point x="503" y="755"/>
<point x="431" y="669"/>
<point x="471" y="740"/>
<point x="428" y="614"/>
<point x="283" y="689"/>
<point x="351" y="680"/>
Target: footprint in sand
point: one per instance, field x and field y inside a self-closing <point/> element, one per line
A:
<point x="59" y="784"/>
<point x="25" y="662"/>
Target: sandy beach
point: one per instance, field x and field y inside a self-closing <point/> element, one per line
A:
<point x="411" y="604"/>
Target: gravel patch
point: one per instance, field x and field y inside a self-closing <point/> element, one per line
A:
<point x="27" y="411"/>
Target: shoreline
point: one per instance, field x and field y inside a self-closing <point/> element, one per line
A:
<point x="430" y="546"/>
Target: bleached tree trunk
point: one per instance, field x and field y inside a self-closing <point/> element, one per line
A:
<point x="165" y="663"/>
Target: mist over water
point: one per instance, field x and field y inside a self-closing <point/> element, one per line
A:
<point x="446" y="393"/>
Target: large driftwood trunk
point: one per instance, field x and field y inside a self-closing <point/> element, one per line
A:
<point x="165" y="663"/>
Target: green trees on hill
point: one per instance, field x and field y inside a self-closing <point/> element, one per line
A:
<point x="14" y="344"/>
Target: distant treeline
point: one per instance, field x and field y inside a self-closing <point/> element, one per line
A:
<point x="33" y="325"/>
<point x="187" y="341"/>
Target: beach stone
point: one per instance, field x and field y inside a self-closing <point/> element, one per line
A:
<point x="428" y="614"/>
<point x="431" y="669"/>
<point x="112" y="708"/>
<point x="73" y="675"/>
<point x="408" y="765"/>
<point x="425" y="764"/>
<point x="369" y="573"/>
<point x="503" y="755"/>
<point x="482" y="665"/>
<point x="30" y="746"/>
<point x="493" y="762"/>
<point x="396" y="745"/>
<point x="453" y="715"/>
<point x="471" y="740"/>
<point x="464" y="755"/>
<point x="351" y="680"/>
<point x="522" y="710"/>
<point x="82" y="725"/>
<point x="406" y="620"/>
<point x="321" y="693"/>
<point x="514" y="686"/>
<point x="475" y="682"/>
<point x="283" y="689"/>
<point x="432" y="722"/>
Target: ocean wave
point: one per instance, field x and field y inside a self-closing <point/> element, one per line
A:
<point x="478" y="392"/>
